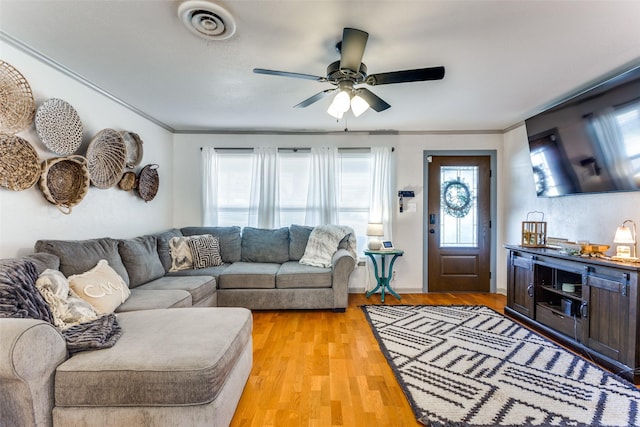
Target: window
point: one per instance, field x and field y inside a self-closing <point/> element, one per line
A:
<point x="230" y="183"/>
<point x="233" y="182"/>
<point x="293" y="179"/>
<point x="354" y="194"/>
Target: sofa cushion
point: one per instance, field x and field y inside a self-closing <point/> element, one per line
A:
<point x="140" y="258"/>
<point x="265" y="245"/>
<point x="164" y="252"/>
<point x="205" y="250"/>
<point x="228" y="239"/>
<point x="298" y="238"/>
<point x="101" y="287"/>
<point x="249" y="275"/>
<point x="209" y="271"/>
<point x="167" y="357"/>
<point x="292" y="275"/>
<point x="78" y="256"/>
<point x="200" y="287"/>
<point x="143" y="299"/>
<point x="44" y="261"/>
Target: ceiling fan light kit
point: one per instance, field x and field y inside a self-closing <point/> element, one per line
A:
<point x="350" y="71"/>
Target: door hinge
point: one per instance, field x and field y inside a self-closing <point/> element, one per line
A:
<point x="490" y="173"/>
<point x="489" y="223"/>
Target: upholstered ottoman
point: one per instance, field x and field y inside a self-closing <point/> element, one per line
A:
<point x="170" y="367"/>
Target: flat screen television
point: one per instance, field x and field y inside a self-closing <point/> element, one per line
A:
<point x="589" y="143"/>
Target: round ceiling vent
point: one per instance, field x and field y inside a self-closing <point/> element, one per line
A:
<point x="207" y="20"/>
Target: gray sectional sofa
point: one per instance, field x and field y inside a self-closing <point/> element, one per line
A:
<point x="261" y="270"/>
<point x="171" y="366"/>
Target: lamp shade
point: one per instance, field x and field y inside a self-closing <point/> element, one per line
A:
<point x="341" y="102"/>
<point x="358" y="105"/>
<point x="623" y="235"/>
<point x="375" y="229"/>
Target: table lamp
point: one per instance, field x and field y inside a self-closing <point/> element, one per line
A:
<point x="626" y="240"/>
<point x="375" y="230"/>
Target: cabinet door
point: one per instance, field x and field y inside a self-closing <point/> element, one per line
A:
<point x="606" y="306"/>
<point x="520" y="287"/>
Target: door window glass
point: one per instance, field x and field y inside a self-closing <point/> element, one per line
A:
<point x="458" y="206"/>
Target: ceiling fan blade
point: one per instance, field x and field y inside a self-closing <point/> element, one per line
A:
<point x="288" y="74"/>
<point x="317" y="97"/>
<point x="417" y="75"/>
<point x="374" y="101"/>
<point x="352" y="50"/>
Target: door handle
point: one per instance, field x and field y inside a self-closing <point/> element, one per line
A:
<point x="432" y="219"/>
<point x="432" y="231"/>
<point x="584" y="312"/>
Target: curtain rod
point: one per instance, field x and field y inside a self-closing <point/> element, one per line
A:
<point x="294" y="149"/>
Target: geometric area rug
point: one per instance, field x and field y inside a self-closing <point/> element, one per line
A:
<point x="472" y="366"/>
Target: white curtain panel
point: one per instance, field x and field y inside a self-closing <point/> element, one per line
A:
<point x="264" y="211"/>
<point x="381" y="201"/>
<point x="322" y="198"/>
<point x="209" y="186"/>
<point x="381" y="192"/>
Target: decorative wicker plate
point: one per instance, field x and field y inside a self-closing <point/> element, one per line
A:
<point x="148" y="182"/>
<point x="19" y="164"/>
<point x="17" y="106"/>
<point x="106" y="157"/>
<point x="134" y="148"/>
<point x="65" y="181"/>
<point x="58" y="126"/>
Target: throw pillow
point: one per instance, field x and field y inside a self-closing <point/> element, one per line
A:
<point x="181" y="256"/>
<point x="164" y="251"/>
<point x="205" y="251"/>
<point x="228" y="238"/>
<point x="101" y="287"/>
<point x="66" y="307"/>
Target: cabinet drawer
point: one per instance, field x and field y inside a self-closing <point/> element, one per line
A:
<point x="560" y="322"/>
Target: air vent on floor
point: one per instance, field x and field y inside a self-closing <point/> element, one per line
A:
<point x="207" y="20"/>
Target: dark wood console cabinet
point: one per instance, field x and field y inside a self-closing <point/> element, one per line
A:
<point x="596" y="313"/>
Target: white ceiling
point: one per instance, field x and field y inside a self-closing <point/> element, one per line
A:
<point x="505" y="60"/>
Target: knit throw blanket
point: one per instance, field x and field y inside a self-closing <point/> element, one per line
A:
<point x="20" y="298"/>
<point x="324" y="241"/>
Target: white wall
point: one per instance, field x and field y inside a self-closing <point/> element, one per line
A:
<point x="409" y="149"/>
<point x="26" y="216"/>
<point x="592" y="217"/>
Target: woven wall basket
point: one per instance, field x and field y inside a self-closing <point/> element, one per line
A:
<point x="17" y="106"/>
<point x="133" y="143"/>
<point x="148" y="182"/>
<point x="19" y="163"/>
<point x="106" y="157"/>
<point x="65" y="181"/>
<point x="58" y="126"/>
<point x="129" y="181"/>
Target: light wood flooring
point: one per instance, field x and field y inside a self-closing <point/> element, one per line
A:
<point x="319" y="368"/>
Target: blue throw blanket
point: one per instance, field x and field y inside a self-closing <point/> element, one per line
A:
<point x="20" y="298"/>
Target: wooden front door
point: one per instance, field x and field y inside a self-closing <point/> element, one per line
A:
<point x="459" y="237"/>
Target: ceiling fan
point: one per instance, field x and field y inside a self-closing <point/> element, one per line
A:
<point x="350" y="71"/>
